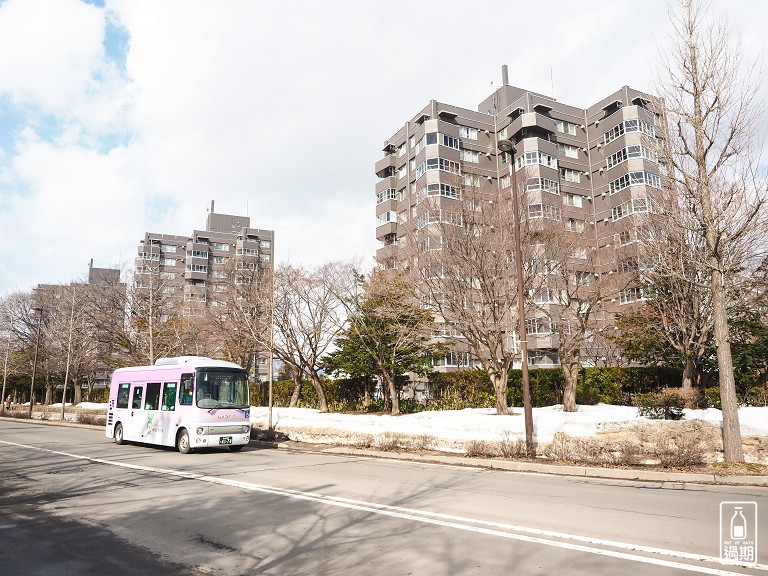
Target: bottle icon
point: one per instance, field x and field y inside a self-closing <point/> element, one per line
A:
<point x="738" y="525"/>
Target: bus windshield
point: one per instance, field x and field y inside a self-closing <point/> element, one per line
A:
<point x="222" y="388"/>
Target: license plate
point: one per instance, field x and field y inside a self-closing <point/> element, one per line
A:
<point x="225" y="440"/>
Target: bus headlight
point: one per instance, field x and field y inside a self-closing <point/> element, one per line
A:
<point x="200" y="430"/>
<point x="246" y="429"/>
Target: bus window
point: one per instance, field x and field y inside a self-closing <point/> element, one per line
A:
<point x="169" y="396"/>
<point x="123" y="395"/>
<point x="152" y="401"/>
<point x="185" y="398"/>
<point x="138" y="392"/>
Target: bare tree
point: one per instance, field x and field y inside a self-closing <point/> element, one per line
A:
<point x="566" y="293"/>
<point x="463" y="250"/>
<point x="712" y="112"/>
<point x="309" y="314"/>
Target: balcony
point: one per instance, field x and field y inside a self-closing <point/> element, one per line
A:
<point x="386" y="166"/>
<point x="531" y="124"/>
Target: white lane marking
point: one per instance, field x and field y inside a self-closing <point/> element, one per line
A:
<point x="445" y="520"/>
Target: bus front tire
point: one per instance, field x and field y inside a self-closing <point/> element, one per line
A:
<point x="236" y="448"/>
<point x="182" y="442"/>
<point x="118" y="434"/>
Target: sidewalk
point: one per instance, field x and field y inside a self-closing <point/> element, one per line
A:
<point x="533" y="467"/>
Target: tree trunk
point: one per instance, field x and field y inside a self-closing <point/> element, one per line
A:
<point x="571" y="380"/>
<point x="322" y="402"/>
<point x="732" y="448"/>
<point x="367" y="390"/>
<point x="48" y="394"/>
<point x="389" y="382"/>
<point x="78" y="394"/>
<point x="689" y="373"/>
<point x="499" y="380"/>
<point x="296" y="391"/>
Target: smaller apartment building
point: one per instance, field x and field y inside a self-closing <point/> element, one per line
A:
<point x="592" y="170"/>
<point x="186" y="268"/>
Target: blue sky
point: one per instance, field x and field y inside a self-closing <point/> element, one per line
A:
<point x="121" y="117"/>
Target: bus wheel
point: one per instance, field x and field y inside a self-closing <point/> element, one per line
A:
<point x="118" y="433"/>
<point x="236" y="448"/>
<point x="182" y="442"/>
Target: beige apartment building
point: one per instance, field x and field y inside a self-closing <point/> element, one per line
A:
<point x="592" y="170"/>
<point x="187" y="267"/>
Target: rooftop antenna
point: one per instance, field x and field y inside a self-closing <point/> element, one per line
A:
<point x="552" y="82"/>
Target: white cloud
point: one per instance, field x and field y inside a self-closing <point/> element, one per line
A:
<point x="280" y="107"/>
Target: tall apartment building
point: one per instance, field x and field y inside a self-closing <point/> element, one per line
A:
<point x="188" y="266"/>
<point x="593" y="169"/>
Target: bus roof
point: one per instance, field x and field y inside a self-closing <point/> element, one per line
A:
<point x="177" y="361"/>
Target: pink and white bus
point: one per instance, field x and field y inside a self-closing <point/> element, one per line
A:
<point x="188" y="401"/>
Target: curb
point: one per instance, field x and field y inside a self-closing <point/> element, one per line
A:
<point x="532" y="467"/>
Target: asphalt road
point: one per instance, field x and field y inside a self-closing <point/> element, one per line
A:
<point x="74" y="503"/>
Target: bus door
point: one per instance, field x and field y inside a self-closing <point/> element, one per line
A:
<point x="164" y="421"/>
<point x="133" y="422"/>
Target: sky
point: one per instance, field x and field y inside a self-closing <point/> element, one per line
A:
<point x="130" y="116"/>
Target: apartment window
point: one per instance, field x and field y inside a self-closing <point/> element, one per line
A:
<point x="247" y="251"/>
<point x="170" y="249"/>
<point x="543" y="295"/>
<point x="219" y="274"/>
<point x="220" y="259"/>
<point x="565" y="127"/>
<point x="573" y="225"/>
<point x="623" y="238"/>
<point x="541" y="325"/>
<point x="631" y="294"/>
<point x="470" y="180"/>
<point x="621" y="211"/>
<point x="401" y="194"/>
<point x="221" y="246"/>
<point x="544" y="211"/>
<point x="640" y="205"/>
<point x="616" y="158"/>
<point x="535" y="157"/>
<point x="545" y="184"/>
<point x="443" y="164"/>
<point x="579" y="252"/>
<point x="503" y="133"/>
<point x="628" y="126"/>
<point x="384" y="195"/>
<point x="149" y="256"/>
<point x="570" y="175"/>
<point x="388" y="216"/>
<point x="469" y="156"/>
<point x="265" y="244"/>
<point x="167" y="275"/>
<point x="582" y="278"/>
<point x="568" y="150"/>
<point x="197" y="254"/>
<point x="265" y="257"/>
<point x="634" y="179"/>
<point x="402" y="171"/>
<point x="197" y="268"/>
<point x="401" y="150"/>
<point x="572" y="200"/>
<point x="168" y="261"/>
<point x="467" y="132"/>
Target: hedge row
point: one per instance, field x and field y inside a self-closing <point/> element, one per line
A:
<point x="473" y="389"/>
